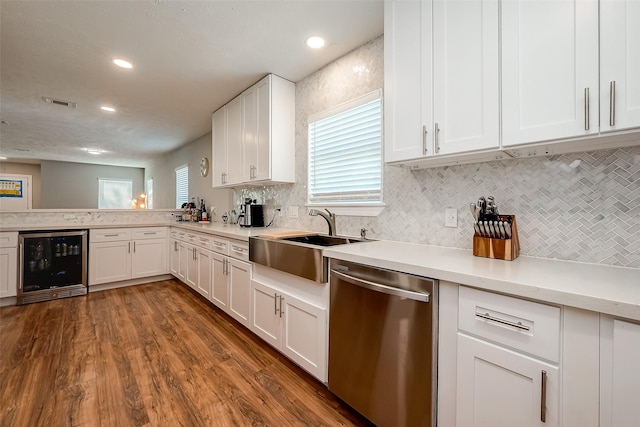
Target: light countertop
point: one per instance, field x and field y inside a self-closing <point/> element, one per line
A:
<point x="606" y="289"/>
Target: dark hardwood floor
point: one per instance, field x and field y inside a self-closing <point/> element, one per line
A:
<point x="149" y="355"/>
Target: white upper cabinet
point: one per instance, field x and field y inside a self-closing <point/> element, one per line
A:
<point x="407" y="80"/>
<point x="620" y="64"/>
<point x="441" y="78"/>
<point x="260" y="135"/>
<point x="549" y="70"/>
<point x="466" y="114"/>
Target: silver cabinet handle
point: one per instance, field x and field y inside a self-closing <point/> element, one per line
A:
<point x="175" y="246"/>
<point x="543" y="398"/>
<point x="437" y="134"/>
<point x="134" y="247"/>
<point x="424" y="139"/>
<point x="146" y="233"/>
<point x="281" y="298"/>
<point x="417" y="296"/>
<point x="237" y="249"/>
<point x="612" y="103"/>
<point x="490" y="318"/>
<point x="129" y="250"/>
<point x="111" y="235"/>
<point x="275" y="303"/>
<point x="228" y="266"/>
<point x="586" y="108"/>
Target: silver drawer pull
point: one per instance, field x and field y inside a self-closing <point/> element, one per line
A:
<point x="202" y="239"/>
<point x="543" y="397"/>
<point x="218" y="244"/>
<point x="111" y="235"/>
<point x="489" y="317"/>
<point x="237" y="249"/>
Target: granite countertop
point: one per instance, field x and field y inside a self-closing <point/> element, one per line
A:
<point x="606" y="289"/>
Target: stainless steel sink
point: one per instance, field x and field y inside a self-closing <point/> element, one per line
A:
<point x="323" y="240"/>
<point x="300" y="255"/>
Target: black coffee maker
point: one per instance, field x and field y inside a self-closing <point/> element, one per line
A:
<point x="251" y="214"/>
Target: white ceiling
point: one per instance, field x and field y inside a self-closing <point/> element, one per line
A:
<point x="190" y="58"/>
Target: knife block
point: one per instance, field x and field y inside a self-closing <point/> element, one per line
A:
<point x="507" y="249"/>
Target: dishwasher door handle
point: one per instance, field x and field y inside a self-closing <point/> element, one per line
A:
<point x="377" y="287"/>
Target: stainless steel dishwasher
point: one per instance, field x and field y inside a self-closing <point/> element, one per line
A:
<point x="383" y="343"/>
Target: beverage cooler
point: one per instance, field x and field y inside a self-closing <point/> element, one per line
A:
<point x="52" y="265"/>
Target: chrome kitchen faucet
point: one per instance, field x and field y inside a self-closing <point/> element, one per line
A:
<point x="330" y="218"/>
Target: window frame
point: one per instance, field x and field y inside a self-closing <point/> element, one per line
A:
<point x="186" y="176"/>
<point x="352" y="206"/>
<point x="101" y="199"/>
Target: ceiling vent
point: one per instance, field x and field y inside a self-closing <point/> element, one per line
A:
<point x="68" y="104"/>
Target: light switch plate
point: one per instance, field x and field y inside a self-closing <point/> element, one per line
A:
<point x="451" y="217"/>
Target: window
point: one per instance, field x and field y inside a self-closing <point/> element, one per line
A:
<point x="150" y="193"/>
<point x="182" y="185"/>
<point x="114" y="193"/>
<point x="345" y="154"/>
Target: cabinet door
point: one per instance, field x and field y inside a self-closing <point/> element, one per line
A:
<point x="203" y="262"/>
<point x="407" y="80"/>
<point x="220" y="286"/>
<point x="619" y="373"/>
<point x="549" y="70"/>
<point x="250" y="130"/>
<point x="191" y="277"/>
<point x="219" y="146"/>
<point x="8" y="272"/>
<point x="149" y="258"/>
<point x="182" y="263"/>
<point x="305" y="335"/>
<point x="239" y="290"/>
<point x="466" y="76"/>
<point x="235" y="150"/>
<point x="498" y="387"/>
<point x="174" y="257"/>
<point x="262" y="161"/>
<point x="619" y="64"/>
<point x="109" y="262"/>
<point x="265" y="318"/>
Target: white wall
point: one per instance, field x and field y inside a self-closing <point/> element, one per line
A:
<point x="67" y="185"/>
<point x="162" y="170"/>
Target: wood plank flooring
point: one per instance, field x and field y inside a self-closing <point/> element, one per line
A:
<point x="149" y="355"/>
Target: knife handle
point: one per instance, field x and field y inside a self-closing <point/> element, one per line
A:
<point x="476" y="227"/>
<point x="507" y="229"/>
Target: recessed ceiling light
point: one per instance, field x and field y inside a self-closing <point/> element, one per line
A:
<point x="3" y="158"/>
<point x="122" y="63"/>
<point x="109" y="109"/>
<point x="92" y="151"/>
<point x="315" y="42"/>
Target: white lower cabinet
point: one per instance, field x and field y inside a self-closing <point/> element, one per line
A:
<point x="123" y="254"/>
<point x="220" y="285"/>
<point x="8" y="264"/>
<point x="191" y="271"/>
<point x="619" y="372"/>
<point x="500" y="387"/>
<point x="295" y="327"/>
<point x="239" y="273"/>
<point x="203" y="266"/>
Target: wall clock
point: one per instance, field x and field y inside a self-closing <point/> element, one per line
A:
<point x="204" y="166"/>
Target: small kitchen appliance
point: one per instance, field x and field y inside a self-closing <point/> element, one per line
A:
<point x="251" y="214"/>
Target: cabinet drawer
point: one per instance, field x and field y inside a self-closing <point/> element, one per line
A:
<point x="178" y="234"/>
<point x="110" y="235"/>
<point x="220" y="245"/>
<point x="239" y="249"/>
<point x="526" y="326"/>
<point x="148" y="233"/>
<point x="203" y="241"/>
<point x="9" y="239"/>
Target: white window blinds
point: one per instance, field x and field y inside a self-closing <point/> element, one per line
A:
<point x="114" y="193"/>
<point x="345" y="153"/>
<point x="182" y="186"/>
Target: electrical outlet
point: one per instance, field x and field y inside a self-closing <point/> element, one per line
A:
<point x="451" y="217"/>
<point x="279" y="212"/>
<point x="292" y="212"/>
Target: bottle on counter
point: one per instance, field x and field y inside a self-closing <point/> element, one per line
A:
<point x="205" y="215"/>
